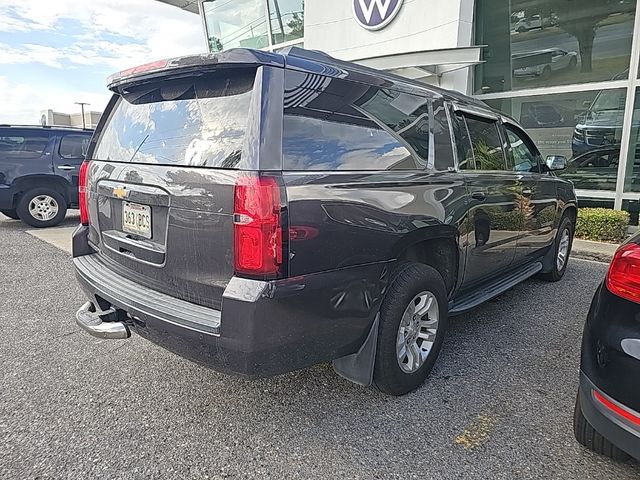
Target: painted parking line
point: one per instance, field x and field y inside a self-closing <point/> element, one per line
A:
<point x="58" y="237"/>
<point x="477" y="433"/>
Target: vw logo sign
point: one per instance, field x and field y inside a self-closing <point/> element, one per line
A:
<point x="375" y="14"/>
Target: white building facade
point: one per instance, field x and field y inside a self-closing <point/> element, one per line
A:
<point x="568" y="70"/>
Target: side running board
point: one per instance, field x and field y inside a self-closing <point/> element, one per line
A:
<point x="487" y="292"/>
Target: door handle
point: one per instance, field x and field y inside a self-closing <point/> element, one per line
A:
<point x="66" y="167"/>
<point x="527" y="192"/>
<point x="480" y="196"/>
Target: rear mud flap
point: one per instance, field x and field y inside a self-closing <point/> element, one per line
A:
<point x="358" y="367"/>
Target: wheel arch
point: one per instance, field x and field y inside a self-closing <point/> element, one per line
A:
<point x="29" y="182"/>
<point x="436" y="246"/>
<point x="571" y="210"/>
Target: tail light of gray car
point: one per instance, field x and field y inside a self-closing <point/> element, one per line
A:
<point x="623" y="278"/>
<point x="82" y="192"/>
<point x="258" y="238"/>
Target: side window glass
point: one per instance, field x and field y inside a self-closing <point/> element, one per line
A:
<point x="486" y="142"/>
<point x="23" y="145"/>
<point x="74" y="146"/>
<point x="463" y="143"/>
<point x="406" y="115"/>
<point x="334" y="124"/>
<point x="443" y="147"/>
<point x="525" y="157"/>
<point x="11" y="143"/>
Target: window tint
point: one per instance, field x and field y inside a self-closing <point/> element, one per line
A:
<point x="486" y="142"/>
<point x="198" y="122"/>
<point x="333" y="124"/>
<point x="525" y="157"/>
<point x="442" y="137"/>
<point x="23" y="144"/>
<point x="74" y="146"/>
<point x="463" y="143"/>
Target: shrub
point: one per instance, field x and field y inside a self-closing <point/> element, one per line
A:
<point x="602" y="225"/>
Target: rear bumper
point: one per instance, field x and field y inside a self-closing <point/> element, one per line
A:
<point x="610" y="366"/>
<point x="262" y="329"/>
<point x="623" y="434"/>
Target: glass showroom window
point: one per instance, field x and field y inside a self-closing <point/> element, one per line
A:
<point x="585" y="127"/>
<point x="287" y="20"/>
<point x="632" y="176"/>
<point x="540" y="43"/>
<point x="236" y="23"/>
<point x="245" y="23"/>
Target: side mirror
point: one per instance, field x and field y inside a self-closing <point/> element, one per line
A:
<point x="556" y="162"/>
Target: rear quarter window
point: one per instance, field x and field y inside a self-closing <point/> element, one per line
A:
<point x="23" y="143"/>
<point x="198" y="122"/>
<point x="333" y="124"/>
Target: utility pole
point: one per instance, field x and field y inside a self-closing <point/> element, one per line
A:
<point x="82" y="104"/>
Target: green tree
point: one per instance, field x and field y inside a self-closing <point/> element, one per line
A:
<point x="296" y="24"/>
<point x="215" y="44"/>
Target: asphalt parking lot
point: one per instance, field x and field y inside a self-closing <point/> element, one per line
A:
<point x="499" y="404"/>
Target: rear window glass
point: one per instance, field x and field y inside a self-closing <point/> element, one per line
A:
<point x="23" y="144"/>
<point x="197" y="122"/>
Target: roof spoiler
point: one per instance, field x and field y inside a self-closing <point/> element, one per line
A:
<point x="233" y="57"/>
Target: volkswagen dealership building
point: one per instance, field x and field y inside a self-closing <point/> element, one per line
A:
<point x="568" y="70"/>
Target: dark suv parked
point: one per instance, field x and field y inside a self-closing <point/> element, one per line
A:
<point x="39" y="169"/>
<point x="259" y="213"/>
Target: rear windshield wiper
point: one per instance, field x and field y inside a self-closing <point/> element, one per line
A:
<point x="139" y="147"/>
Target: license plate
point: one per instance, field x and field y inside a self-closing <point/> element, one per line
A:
<point x="136" y="219"/>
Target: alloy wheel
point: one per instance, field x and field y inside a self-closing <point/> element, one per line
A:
<point x="417" y="332"/>
<point x="563" y="249"/>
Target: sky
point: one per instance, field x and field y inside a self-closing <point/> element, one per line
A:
<point x="57" y="52"/>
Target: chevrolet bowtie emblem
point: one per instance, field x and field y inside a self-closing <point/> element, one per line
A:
<point x="120" y="192"/>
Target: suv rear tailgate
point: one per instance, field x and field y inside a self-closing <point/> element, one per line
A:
<point x="162" y="179"/>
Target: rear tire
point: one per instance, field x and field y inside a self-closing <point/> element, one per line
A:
<point x="563" y="242"/>
<point x="413" y="320"/>
<point x="587" y="436"/>
<point x="13" y="214"/>
<point x="42" y="207"/>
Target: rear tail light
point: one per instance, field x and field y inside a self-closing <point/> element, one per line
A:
<point x="623" y="278"/>
<point x="82" y="193"/>
<point x="257" y="226"/>
<point x="618" y="409"/>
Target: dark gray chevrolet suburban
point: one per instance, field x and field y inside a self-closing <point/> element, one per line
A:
<point x="262" y="212"/>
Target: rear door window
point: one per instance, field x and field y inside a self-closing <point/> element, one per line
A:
<point x="74" y="146"/>
<point x="333" y="124"/>
<point x="198" y="122"/>
<point x="488" y="152"/>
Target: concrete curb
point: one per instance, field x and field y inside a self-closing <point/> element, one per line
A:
<point x="595" y="251"/>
